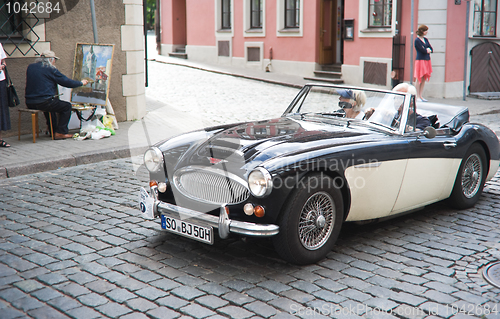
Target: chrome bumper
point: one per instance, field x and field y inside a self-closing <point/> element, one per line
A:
<point x="222" y="222"/>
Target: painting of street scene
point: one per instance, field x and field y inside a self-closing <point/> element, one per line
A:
<point x="92" y="63"/>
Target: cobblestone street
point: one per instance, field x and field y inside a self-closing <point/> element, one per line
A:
<point x="209" y="99"/>
<point x="73" y="243"/>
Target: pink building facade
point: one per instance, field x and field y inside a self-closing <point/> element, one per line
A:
<point x="365" y="42"/>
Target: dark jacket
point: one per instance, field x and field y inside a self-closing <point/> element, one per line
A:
<point x="422" y="49"/>
<point x="42" y="81"/>
<point x="419" y="121"/>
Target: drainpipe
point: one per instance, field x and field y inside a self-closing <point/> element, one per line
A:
<point x="94" y="23"/>
<point x="466" y="56"/>
<point x="411" y="42"/>
<point x="144" y="19"/>
<point x="268" y="66"/>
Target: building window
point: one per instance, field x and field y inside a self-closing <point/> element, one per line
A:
<point x="11" y="20"/>
<point x="485" y="17"/>
<point x="289" y="17"/>
<point x="256" y="14"/>
<point x="19" y="26"/>
<point x="226" y="15"/>
<point x="254" y="18"/>
<point x="292" y="14"/>
<point x="379" y="13"/>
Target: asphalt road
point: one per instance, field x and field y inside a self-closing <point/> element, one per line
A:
<point x="72" y="244"/>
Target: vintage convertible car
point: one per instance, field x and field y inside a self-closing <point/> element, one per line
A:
<point x="297" y="178"/>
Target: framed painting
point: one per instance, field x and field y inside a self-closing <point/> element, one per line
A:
<point x="93" y="63"/>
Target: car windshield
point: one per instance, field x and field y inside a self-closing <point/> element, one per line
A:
<point x="382" y="108"/>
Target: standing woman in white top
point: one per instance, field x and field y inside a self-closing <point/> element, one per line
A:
<point x="4" y="105"/>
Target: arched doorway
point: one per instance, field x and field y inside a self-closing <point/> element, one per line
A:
<point x="485" y="68"/>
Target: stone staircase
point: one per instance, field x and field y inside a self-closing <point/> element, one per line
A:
<point x="330" y="73"/>
<point x="179" y="53"/>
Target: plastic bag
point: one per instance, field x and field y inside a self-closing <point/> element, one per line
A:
<point x="98" y="134"/>
<point x="110" y="130"/>
<point x="107" y="121"/>
<point x="92" y="125"/>
<point x="100" y="111"/>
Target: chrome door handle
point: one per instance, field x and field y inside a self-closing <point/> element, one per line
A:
<point x="449" y="144"/>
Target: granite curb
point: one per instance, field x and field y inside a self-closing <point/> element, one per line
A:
<point x="83" y="158"/>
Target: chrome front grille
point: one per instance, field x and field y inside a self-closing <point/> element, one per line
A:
<point x="211" y="185"/>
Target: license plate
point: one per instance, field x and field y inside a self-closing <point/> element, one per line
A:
<point x="187" y="229"/>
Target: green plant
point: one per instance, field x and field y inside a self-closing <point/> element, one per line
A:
<point x="150" y="14"/>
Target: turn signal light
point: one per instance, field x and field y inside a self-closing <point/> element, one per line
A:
<point x="153" y="183"/>
<point x="259" y="211"/>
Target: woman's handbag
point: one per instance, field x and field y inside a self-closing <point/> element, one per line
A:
<point x="12" y="97"/>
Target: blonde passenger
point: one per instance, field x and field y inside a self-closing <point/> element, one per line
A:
<point x="352" y="102"/>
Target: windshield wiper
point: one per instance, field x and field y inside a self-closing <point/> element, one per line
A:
<point x="334" y="114"/>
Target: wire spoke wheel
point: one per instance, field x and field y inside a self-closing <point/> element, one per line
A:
<point x="311" y="220"/>
<point x="317" y="220"/>
<point x="472" y="176"/>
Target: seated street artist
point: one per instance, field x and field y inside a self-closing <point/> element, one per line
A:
<point x="42" y="78"/>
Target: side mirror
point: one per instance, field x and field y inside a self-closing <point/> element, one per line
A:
<point x="429" y="132"/>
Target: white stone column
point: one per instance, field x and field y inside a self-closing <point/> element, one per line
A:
<point x="132" y="39"/>
<point x="433" y="14"/>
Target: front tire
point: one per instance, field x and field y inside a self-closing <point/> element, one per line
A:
<point x="470" y="178"/>
<point x="310" y="222"/>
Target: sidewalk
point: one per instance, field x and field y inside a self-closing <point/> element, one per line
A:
<point x="133" y="138"/>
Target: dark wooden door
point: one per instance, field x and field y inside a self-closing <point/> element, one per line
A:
<point x="485" y="68"/>
<point x="327" y="31"/>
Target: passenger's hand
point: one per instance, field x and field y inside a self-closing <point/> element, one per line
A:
<point x="85" y="82"/>
<point x="369" y="113"/>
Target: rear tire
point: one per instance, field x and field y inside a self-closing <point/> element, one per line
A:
<point x="470" y="178"/>
<point x="311" y="221"/>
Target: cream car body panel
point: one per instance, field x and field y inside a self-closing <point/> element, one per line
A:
<point x="374" y="188"/>
<point x="493" y="169"/>
<point x="426" y="180"/>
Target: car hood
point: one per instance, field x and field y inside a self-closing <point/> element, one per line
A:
<point x="247" y="145"/>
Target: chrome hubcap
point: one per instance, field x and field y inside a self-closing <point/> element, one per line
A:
<point x="472" y="176"/>
<point x="316" y="221"/>
<point x="475" y="177"/>
<point x="320" y="221"/>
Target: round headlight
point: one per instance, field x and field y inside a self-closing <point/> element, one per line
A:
<point x="153" y="159"/>
<point x="260" y="182"/>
